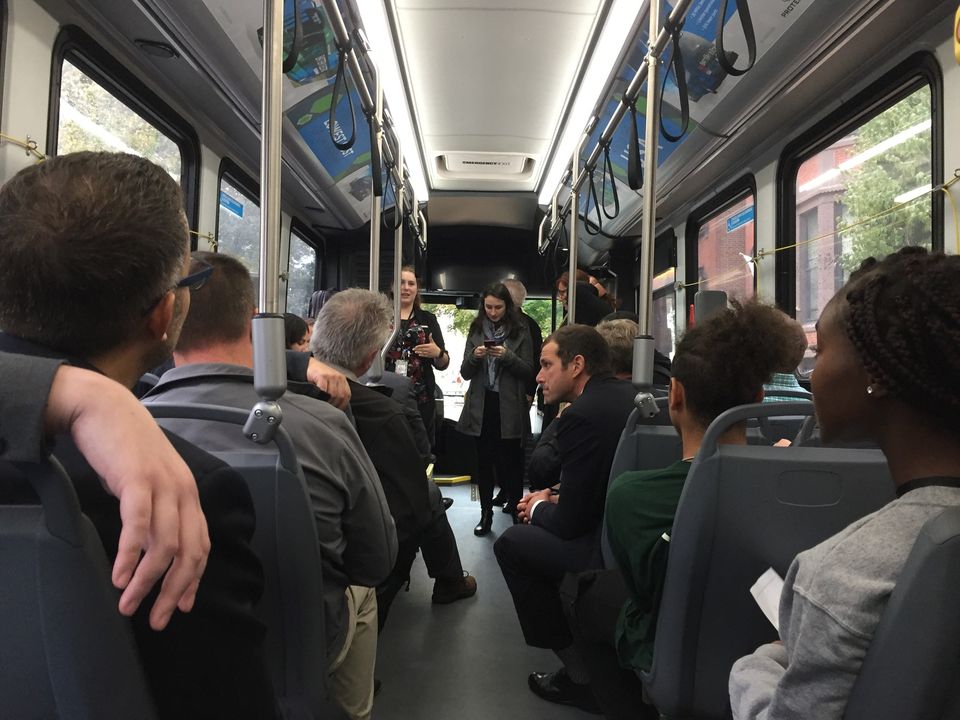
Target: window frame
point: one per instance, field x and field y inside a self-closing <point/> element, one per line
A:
<point x="239" y="178"/>
<point x="919" y="70"/>
<point x="93" y="60"/>
<point x="744" y="185"/>
<point x="311" y="238"/>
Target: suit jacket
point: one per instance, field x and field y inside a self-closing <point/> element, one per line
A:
<point x="587" y="435"/>
<point x="208" y="662"/>
<point x="354" y="529"/>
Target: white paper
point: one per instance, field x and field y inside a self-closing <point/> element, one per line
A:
<point x="766" y="591"/>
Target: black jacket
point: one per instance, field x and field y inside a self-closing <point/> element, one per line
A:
<point x="208" y="662"/>
<point x="587" y="436"/>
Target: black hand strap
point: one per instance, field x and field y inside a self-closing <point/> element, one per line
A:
<point x="680" y="76"/>
<point x="290" y="61"/>
<point x="592" y="195"/>
<point x="339" y="87"/>
<point x="634" y="163"/>
<point x="608" y="172"/>
<point x="743" y="11"/>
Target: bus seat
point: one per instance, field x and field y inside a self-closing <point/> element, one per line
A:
<point x="912" y="667"/>
<point x="285" y="540"/>
<point x="743" y="510"/>
<point x="645" y="444"/>
<point x="65" y="650"/>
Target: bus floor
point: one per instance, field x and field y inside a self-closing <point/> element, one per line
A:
<point x="466" y="660"/>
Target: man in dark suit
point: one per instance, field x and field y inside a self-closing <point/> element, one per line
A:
<point x="349" y="332"/>
<point x="560" y="533"/>
<point x="94" y="258"/>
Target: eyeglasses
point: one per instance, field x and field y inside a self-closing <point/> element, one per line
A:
<point x="193" y="281"/>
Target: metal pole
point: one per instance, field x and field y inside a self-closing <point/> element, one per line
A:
<point x="423" y="228"/>
<point x="269" y="367"/>
<point x="397" y="264"/>
<point x="541" y="245"/>
<point x="643" y="345"/>
<point x="376" y="199"/>
<point x="574" y="216"/>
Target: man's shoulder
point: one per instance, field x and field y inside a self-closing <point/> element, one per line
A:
<point x="604" y="395"/>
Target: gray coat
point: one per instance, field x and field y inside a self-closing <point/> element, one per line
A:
<point x="517" y="369"/>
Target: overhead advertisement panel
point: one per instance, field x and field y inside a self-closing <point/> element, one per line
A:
<point x="707" y="82"/>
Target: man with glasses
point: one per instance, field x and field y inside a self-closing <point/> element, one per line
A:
<point x="94" y="269"/>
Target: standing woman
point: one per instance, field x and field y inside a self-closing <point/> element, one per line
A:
<point x="888" y="371"/>
<point x="418" y="349"/>
<point x="498" y="362"/>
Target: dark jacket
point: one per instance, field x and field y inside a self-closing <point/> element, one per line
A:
<point x="587" y="436"/>
<point x="401" y="391"/>
<point x="428" y="321"/>
<point x="536" y="345"/>
<point x="208" y="662"/>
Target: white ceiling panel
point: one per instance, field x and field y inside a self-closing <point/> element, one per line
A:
<point x="491" y="77"/>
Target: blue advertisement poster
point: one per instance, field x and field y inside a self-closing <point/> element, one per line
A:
<point x="311" y="117"/>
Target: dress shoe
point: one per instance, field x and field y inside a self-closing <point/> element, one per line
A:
<point x="557" y="687"/>
<point x="447" y="502"/>
<point x="448" y="590"/>
<point x="509" y="506"/>
<point x="500" y="498"/>
<point x="486" y="522"/>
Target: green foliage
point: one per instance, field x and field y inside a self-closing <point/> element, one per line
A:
<point x="542" y="312"/>
<point x="461" y="317"/>
<point x="873" y="185"/>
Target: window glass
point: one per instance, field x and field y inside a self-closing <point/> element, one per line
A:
<point x="92" y="118"/>
<point x="238" y="226"/>
<point x="665" y="312"/>
<point x="301" y="274"/>
<point x="856" y="183"/>
<point x="726" y="244"/>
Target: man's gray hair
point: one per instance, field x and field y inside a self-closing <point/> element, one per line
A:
<point x="517" y="291"/>
<point x="619" y="335"/>
<point x="351" y="324"/>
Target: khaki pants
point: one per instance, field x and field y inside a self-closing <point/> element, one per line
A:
<point x="351" y="673"/>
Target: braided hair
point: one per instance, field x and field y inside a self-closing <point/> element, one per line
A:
<point x="902" y="315"/>
<point x="724" y="361"/>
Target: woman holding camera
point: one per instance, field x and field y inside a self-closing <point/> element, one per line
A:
<point x="498" y="362"/>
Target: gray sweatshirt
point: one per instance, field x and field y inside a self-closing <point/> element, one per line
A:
<point x="832" y="600"/>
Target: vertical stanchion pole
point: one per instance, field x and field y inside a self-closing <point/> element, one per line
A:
<point x="376" y="199"/>
<point x="574" y="217"/>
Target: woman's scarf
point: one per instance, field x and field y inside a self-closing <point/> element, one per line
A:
<point x="498" y="333"/>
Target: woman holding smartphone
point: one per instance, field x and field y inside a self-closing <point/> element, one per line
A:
<point x="498" y="362"/>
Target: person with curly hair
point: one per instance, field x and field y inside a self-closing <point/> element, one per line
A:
<point x="888" y="371"/>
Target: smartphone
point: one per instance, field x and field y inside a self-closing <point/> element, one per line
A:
<point x="491" y="343"/>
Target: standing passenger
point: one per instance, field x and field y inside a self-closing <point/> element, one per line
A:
<point x="498" y="362"/>
<point x="888" y="370"/>
<point x="418" y="349"/>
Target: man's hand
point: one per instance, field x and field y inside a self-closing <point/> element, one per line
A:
<point x="333" y="383"/>
<point x="159" y="505"/>
<point x="525" y="506"/>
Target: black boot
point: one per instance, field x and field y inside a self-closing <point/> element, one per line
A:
<point x="486" y="522"/>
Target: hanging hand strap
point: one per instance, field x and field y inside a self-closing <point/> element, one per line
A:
<point x="634" y="162"/>
<point x="340" y="86"/>
<point x="290" y="61"/>
<point x="608" y="172"/>
<point x="743" y="11"/>
<point x="680" y="76"/>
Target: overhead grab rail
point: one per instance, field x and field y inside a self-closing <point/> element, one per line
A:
<point x="629" y="99"/>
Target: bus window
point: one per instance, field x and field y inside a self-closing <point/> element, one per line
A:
<point x="665" y="312"/>
<point x="238" y="224"/>
<point x="301" y="274"/>
<point x="92" y="118"/>
<point x="726" y="243"/>
<point x="855" y="181"/>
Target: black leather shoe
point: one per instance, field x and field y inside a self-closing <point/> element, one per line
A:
<point x="557" y="687"/>
<point x="447" y="502"/>
<point x="486" y="522"/>
<point x="500" y="498"/>
<point x="509" y="507"/>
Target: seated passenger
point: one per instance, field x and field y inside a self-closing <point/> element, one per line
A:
<point x="661" y="363"/>
<point x="214" y="360"/>
<point x="350" y="331"/>
<point x="296" y="331"/>
<point x="785" y="376"/>
<point x="888" y="370"/>
<point x="719" y="364"/>
<point x="561" y="532"/>
<point x="404" y="392"/>
<point x="94" y="269"/>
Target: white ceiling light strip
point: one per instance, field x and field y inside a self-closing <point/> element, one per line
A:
<point x="373" y="16"/>
<point x="615" y="34"/>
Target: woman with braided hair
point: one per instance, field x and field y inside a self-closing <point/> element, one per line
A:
<point x="888" y="370"/>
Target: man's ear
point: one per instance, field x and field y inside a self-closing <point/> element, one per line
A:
<point x="678" y="396"/>
<point x="578" y="365"/>
<point x="368" y="361"/>
<point x="158" y="320"/>
<point x="760" y="396"/>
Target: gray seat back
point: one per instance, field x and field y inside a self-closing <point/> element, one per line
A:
<point x="912" y="668"/>
<point x="65" y="650"/>
<point x="645" y="444"/>
<point x="285" y="541"/>
<point x="744" y="509"/>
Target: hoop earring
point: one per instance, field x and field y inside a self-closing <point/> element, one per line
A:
<point x="869" y="389"/>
